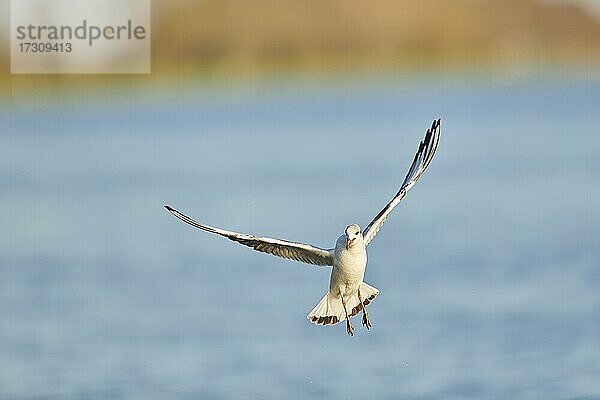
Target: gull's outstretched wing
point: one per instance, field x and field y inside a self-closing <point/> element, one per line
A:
<point x="281" y="248"/>
<point x="424" y="155"/>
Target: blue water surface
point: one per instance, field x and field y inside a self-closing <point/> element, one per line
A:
<point x="489" y="271"/>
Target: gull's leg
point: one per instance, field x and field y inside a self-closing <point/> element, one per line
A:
<point x="365" y="319"/>
<point x="349" y="327"/>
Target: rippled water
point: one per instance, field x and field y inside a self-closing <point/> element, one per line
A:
<point x="489" y="271"/>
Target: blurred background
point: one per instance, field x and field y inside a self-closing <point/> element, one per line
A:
<point x="295" y="118"/>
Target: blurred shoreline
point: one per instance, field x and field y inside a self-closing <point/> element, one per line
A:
<point x="50" y="95"/>
<point x="223" y="42"/>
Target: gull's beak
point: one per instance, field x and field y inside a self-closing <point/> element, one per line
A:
<point x="349" y="243"/>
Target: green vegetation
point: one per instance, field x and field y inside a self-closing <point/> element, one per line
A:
<point x="226" y="38"/>
<point x="319" y="35"/>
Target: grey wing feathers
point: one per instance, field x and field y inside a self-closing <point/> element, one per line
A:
<point x="425" y="153"/>
<point x="277" y="247"/>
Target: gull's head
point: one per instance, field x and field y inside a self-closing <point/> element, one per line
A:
<point x="352" y="235"/>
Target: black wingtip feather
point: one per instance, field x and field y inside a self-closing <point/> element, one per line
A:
<point x="428" y="137"/>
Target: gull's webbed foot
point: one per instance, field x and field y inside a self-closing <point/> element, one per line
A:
<point x="366" y="321"/>
<point x="349" y="328"/>
<point x="365" y="318"/>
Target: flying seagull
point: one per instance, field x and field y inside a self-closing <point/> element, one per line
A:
<point x="348" y="294"/>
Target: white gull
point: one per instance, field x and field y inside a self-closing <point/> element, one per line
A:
<point x="348" y="294"/>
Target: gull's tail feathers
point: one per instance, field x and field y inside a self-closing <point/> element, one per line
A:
<point x="330" y="311"/>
